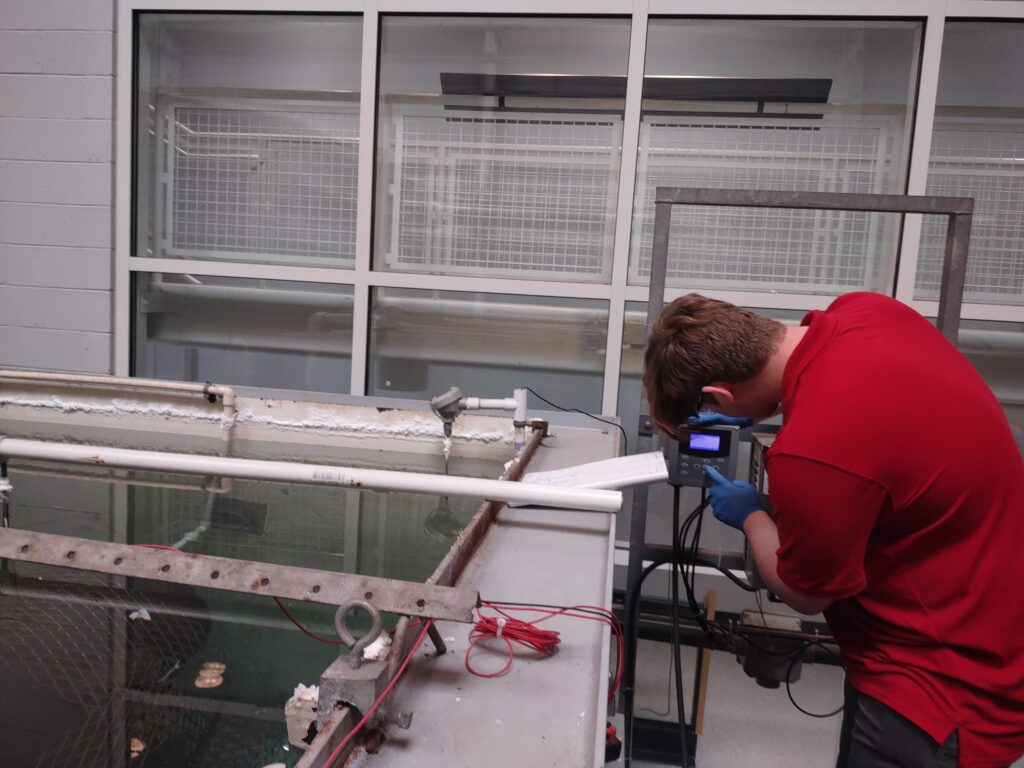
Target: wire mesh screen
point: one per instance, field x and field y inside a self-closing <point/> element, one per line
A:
<point x="795" y="250"/>
<point x="503" y="196"/>
<point x="112" y="690"/>
<point x="986" y="162"/>
<point x="277" y="185"/>
<point x="405" y="536"/>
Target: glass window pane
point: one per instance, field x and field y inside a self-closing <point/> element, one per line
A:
<point x="247" y="138"/>
<point x="802" y="105"/>
<point x="499" y="145"/>
<point x="996" y="349"/>
<point x="423" y="342"/>
<point x="256" y="333"/>
<point x="978" y="151"/>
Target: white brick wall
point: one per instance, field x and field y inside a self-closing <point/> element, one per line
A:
<point x="56" y="196"/>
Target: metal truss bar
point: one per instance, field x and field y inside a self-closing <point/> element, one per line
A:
<point x="958" y="234"/>
<point x="306" y="584"/>
<point x="197" y="704"/>
<point x="828" y="201"/>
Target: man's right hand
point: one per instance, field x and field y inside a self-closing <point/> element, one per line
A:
<point x="732" y="501"/>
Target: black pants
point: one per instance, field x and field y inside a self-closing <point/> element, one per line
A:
<point x="876" y="736"/>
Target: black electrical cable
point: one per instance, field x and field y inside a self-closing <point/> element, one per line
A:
<point x="789" y="673"/>
<point x="631" y="632"/>
<point x="688" y="585"/>
<point x="589" y="415"/>
<point x="679" y="544"/>
<point x="678" y="568"/>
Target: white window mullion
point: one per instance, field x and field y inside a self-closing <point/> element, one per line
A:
<point x="624" y="210"/>
<point x="121" y="322"/>
<point x="365" y="198"/>
<point x="920" y="153"/>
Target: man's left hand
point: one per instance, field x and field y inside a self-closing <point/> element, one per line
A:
<point x="713" y="419"/>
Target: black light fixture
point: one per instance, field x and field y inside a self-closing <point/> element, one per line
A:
<point x="757" y="90"/>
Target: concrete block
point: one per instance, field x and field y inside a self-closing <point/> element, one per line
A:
<point x="76" y="140"/>
<point x="58" y="14"/>
<point x="20" y="52"/>
<point x="78" y="53"/>
<point x="24" y="181"/>
<point x="98" y="92"/>
<point x="63" y="96"/>
<point x="49" y="350"/>
<point x="56" y="308"/>
<point x="52" y="267"/>
<point x="83" y="226"/>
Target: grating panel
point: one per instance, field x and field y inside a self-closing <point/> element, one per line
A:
<point x="256" y="182"/>
<point x="831" y="251"/>
<point x="986" y="162"/>
<point x="502" y="196"/>
<point x="64" y="648"/>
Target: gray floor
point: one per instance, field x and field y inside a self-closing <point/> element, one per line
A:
<point x="745" y="724"/>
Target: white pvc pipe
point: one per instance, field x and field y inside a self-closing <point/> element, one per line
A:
<point x="227" y="394"/>
<point x="490" y="403"/>
<point x="314" y="474"/>
<point x="516" y="404"/>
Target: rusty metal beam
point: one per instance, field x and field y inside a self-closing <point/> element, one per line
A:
<point x="286" y="581"/>
<point x="334" y="729"/>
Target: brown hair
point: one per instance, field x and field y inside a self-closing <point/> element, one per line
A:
<point x="697" y="340"/>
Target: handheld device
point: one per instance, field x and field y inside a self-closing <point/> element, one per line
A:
<point x="699" y="448"/>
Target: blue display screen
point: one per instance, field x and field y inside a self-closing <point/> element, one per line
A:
<point x="700" y="442"/>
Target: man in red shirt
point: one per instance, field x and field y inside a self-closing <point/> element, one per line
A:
<point x="898" y="496"/>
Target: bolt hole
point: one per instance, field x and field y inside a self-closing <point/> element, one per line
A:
<point x="215" y="575"/>
<point x="24" y="547"/>
<point x="264" y="581"/>
<point x="118" y="560"/>
<point x="316" y="588"/>
<point x="165" y="568"/>
<point x="70" y="555"/>
<point x="368" y="595"/>
<point x="421" y="603"/>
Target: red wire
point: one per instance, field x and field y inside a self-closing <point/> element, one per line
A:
<point x="510" y="630"/>
<point x="526" y="633"/>
<point x="305" y="631"/>
<point x="157" y="546"/>
<point x="373" y="707"/>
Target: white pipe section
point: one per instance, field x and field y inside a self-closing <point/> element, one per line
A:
<point x="519" y="398"/>
<point x="490" y="403"/>
<point x="315" y="474"/>
<point x="516" y="404"/>
<point x="227" y="394"/>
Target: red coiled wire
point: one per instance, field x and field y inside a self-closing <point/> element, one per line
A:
<point x="526" y="633"/>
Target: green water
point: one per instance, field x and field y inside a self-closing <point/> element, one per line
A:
<point x="81" y="677"/>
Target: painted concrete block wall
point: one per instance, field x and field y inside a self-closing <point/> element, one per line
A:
<point x="56" y="196"/>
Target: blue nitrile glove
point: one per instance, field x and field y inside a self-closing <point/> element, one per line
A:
<point x="712" y="419"/>
<point x="732" y="501"/>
